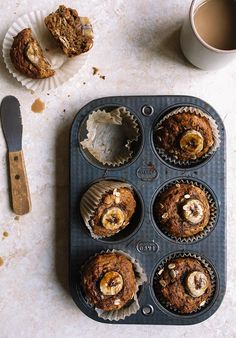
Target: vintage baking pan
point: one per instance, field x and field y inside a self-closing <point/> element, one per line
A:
<point x="147" y="172"/>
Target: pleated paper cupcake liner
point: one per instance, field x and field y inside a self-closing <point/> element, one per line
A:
<point x="110" y="136"/>
<point x="65" y="68"/>
<point x="213" y="213"/>
<point x="185" y="255"/>
<point x="132" y="306"/>
<point x="93" y="196"/>
<point x="216" y="135"/>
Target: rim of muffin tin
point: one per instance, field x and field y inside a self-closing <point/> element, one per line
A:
<point x="213" y="202"/>
<point x="92" y="160"/>
<point x="166" y="159"/>
<point x="167" y="309"/>
<point x="122" y="233"/>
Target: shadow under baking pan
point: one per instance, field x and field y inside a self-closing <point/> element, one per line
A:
<point x="61" y="206"/>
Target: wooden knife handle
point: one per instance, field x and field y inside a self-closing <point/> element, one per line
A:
<point x="21" y="202"/>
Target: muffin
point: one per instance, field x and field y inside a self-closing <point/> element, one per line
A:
<point x="107" y="207"/>
<point x="73" y="34"/>
<point x="109" y="281"/>
<point x="182" y="210"/>
<point x="186" y="134"/>
<point x="27" y="56"/>
<point x="183" y="284"/>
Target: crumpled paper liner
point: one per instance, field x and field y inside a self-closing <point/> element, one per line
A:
<point x="92" y="197"/>
<point x="213" y="214"/>
<point x="187" y="255"/>
<point x="193" y="110"/>
<point x="110" y="135"/>
<point x="133" y="306"/>
<point x="65" y="68"/>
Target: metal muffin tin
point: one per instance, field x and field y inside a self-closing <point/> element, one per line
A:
<point x="142" y="239"/>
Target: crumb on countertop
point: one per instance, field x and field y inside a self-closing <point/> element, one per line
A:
<point x="5" y="234"/>
<point x="96" y="71"/>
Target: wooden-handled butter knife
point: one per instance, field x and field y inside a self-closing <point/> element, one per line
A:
<point x="12" y="129"/>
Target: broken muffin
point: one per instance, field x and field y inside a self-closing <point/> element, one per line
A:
<point x="73" y="33"/>
<point x="27" y="56"/>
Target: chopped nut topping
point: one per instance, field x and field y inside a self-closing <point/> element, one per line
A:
<point x="163" y="283"/>
<point x="173" y="273"/>
<point x="171" y="266"/>
<point x="187" y="196"/>
<point x="165" y="215"/>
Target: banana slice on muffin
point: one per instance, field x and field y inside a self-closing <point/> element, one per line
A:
<point x="27" y="56"/>
<point x="197" y="283"/>
<point x="111" y="283"/>
<point x="192" y="142"/>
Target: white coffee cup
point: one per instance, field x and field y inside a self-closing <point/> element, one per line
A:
<point x="196" y="50"/>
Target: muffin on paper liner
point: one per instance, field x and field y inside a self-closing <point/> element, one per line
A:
<point x="65" y="68"/>
<point x="213" y="213"/>
<point x="92" y="197"/>
<point x="110" y="135"/>
<point x="132" y="306"/>
<point x="193" y="110"/>
<point x="160" y="269"/>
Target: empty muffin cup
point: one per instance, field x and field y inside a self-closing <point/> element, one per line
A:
<point x="185" y="211"/>
<point x="111" y="280"/>
<point x="110" y="136"/>
<point x="184" y="283"/>
<point x="186" y="136"/>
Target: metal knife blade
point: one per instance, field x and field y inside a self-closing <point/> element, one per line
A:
<point x="11" y="123"/>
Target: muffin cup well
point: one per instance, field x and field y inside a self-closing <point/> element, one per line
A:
<point x="133" y="306"/>
<point x="169" y="258"/>
<point x="213" y="212"/>
<point x="110" y="136"/>
<point x="92" y="197"/>
<point x="216" y="135"/>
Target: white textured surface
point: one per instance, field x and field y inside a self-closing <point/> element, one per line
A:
<point x="136" y="47"/>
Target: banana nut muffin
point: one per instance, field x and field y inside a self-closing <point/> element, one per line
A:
<point x="109" y="281"/>
<point x="185" y="136"/>
<point x="182" y="210"/>
<point x="114" y="212"/>
<point x="27" y="56"/>
<point x="74" y="34"/>
<point x="184" y="284"/>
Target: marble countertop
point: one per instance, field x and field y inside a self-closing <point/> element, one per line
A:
<point x="137" y="49"/>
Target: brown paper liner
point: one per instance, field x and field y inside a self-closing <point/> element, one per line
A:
<point x="92" y="197"/>
<point x="187" y="255"/>
<point x="213" y="213"/>
<point x="214" y="127"/>
<point x="110" y="135"/>
<point x="133" y="306"/>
